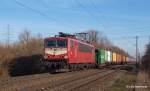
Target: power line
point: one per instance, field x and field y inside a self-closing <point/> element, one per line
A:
<point x="130" y="37"/>
<point x="43" y="3"/>
<point x="86" y="10"/>
<point x="91" y="14"/>
<point x="92" y="3"/>
<point x="41" y="13"/>
<point x="46" y="6"/>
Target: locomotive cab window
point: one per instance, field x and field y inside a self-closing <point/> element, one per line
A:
<point x="56" y="43"/>
<point x="62" y="43"/>
<point x="50" y="43"/>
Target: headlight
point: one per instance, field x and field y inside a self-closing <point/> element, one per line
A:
<point x="65" y="56"/>
<point x="45" y="56"/>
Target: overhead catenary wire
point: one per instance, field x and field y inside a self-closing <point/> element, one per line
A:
<point x="93" y="4"/>
<point x="86" y="10"/>
<point x="43" y="3"/>
<point x="100" y="12"/>
<point x="42" y="14"/>
<point x="129" y="37"/>
<point x="134" y="38"/>
<point x="95" y="17"/>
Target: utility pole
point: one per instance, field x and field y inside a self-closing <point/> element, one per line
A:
<point x="136" y="50"/>
<point x="149" y="39"/>
<point x="8" y="36"/>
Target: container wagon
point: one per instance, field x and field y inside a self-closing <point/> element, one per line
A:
<point x="100" y="57"/>
<point x="114" y="58"/>
<point x="109" y="55"/>
<point x="106" y="56"/>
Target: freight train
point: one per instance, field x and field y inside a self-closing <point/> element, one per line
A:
<point x="68" y="52"/>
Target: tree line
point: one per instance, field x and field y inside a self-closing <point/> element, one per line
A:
<point x="28" y="45"/>
<point x="145" y="61"/>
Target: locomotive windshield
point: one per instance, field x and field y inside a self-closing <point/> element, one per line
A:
<point x="61" y="43"/>
<point x="50" y="43"/>
<point x="56" y="43"/>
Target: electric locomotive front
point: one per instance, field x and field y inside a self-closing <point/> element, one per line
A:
<point x="55" y="52"/>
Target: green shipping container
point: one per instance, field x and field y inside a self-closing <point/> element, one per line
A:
<point x="100" y="56"/>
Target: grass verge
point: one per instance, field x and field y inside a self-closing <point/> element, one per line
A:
<point x="129" y="79"/>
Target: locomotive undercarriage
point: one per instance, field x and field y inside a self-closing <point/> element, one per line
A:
<point x="61" y="66"/>
<point x="74" y="67"/>
<point x="55" y="65"/>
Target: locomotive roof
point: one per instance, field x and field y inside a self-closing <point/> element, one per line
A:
<point x="75" y="39"/>
<point x="56" y="38"/>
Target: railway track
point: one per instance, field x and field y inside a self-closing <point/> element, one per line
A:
<point x="61" y="84"/>
<point x="17" y="83"/>
<point x="81" y="81"/>
<point x="70" y="81"/>
<point x="101" y="83"/>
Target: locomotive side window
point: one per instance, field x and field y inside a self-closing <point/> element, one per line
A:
<point x="84" y="48"/>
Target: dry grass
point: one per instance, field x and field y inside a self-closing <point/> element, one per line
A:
<point x="127" y="80"/>
<point x="1" y="72"/>
<point x="27" y="46"/>
<point x="143" y="80"/>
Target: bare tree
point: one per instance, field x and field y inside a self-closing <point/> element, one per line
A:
<point x="24" y="39"/>
<point x="145" y="64"/>
<point x="93" y="36"/>
<point x="99" y="39"/>
<point x="25" y="36"/>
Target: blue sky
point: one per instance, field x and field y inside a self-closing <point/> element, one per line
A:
<point x="119" y="20"/>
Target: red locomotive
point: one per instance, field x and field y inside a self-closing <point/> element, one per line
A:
<point x="68" y="52"/>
